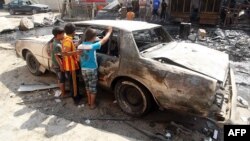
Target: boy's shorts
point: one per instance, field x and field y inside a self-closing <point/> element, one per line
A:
<point x="90" y="79"/>
<point x="60" y="75"/>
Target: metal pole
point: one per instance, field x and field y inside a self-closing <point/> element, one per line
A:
<point x="93" y="10"/>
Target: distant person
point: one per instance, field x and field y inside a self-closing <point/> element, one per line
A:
<point x="89" y="65"/>
<point x="156" y="5"/>
<point x="135" y="4"/>
<point x="148" y="9"/>
<point x="163" y="10"/>
<point x="130" y="15"/>
<point x="128" y="4"/>
<point x="142" y="9"/>
<point x="56" y="57"/>
<point x="232" y="3"/>
<point x="194" y="10"/>
<point x="64" y="9"/>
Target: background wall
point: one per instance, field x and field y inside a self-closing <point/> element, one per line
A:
<point x="53" y="4"/>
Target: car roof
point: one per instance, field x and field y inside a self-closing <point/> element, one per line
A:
<point x="120" y="24"/>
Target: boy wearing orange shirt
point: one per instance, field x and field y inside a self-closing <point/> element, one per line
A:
<point x="70" y="61"/>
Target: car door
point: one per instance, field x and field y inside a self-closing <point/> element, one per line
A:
<point x="19" y="6"/>
<point x="108" y="59"/>
<point x="24" y="6"/>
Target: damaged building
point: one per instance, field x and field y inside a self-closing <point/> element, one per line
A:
<point x="211" y="12"/>
<point x="204" y="11"/>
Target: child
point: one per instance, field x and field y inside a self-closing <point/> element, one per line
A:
<point x="70" y="61"/>
<point x="130" y="14"/>
<point x="89" y="63"/>
<point x="163" y="9"/>
<point x="142" y="10"/>
<point x="56" y="57"/>
<point x="156" y="5"/>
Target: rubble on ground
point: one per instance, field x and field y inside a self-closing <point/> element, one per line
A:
<point x="35" y="87"/>
<point x="45" y="19"/>
<point x="242" y="101"/>
<point x="236" y="43"/>
<point x="6" y="25"/>
<point x="26" y="24"/>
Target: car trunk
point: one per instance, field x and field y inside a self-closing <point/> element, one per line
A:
<point x="198" y="58"/>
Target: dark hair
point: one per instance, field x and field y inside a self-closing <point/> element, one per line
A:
<point x="57" y="30"/>
<point x="90" y="34"/>
<point x="69" y="28"/>
<point x="130" y="9"/>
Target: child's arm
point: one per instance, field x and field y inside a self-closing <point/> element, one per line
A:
<point x="59" y="61"/>
<point x="106" y="37"/>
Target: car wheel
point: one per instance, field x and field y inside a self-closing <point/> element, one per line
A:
<point x="32" y="64"/>
<point x="133" y="98"/>
<point x="12" y="12"/>
<point x="34" y="11"/>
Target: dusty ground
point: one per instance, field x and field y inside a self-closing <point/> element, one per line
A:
<point x="37" y="116"/>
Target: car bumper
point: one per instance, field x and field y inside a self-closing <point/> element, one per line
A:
<point x="230" y="117"/>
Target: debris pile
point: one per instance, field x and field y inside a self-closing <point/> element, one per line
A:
<point x="6" y="25"/>
<point x="39" y="20"/>
<point x="175" y="132"/>
<point x="242" y="102"/>
<point x="35" y="87"/>
<point x="43" y="19"/>
<point x="26" y="24"/>
<point x="236" y="43"/>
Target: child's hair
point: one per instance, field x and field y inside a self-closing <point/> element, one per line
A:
<point x="69" y="28"/>
<point x="130" y="9"/>
<point x="57" y="30"/>
<point x="90" y="34"/>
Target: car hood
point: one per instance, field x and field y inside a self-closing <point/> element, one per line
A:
<point x="39" y="5"/>
<point x="195" y="57"/>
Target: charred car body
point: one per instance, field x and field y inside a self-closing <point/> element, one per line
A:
<point x="142" y="64"/>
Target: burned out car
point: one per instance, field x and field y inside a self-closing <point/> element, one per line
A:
<point x="143" y="65"/>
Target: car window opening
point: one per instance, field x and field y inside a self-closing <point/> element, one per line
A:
<point x="146" y="39"/>
<point x="111" y="47"/>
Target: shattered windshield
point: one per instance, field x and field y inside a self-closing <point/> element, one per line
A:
<point x="151" y="37"/>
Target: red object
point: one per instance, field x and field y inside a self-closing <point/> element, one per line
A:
<point x="99" y="7"/>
